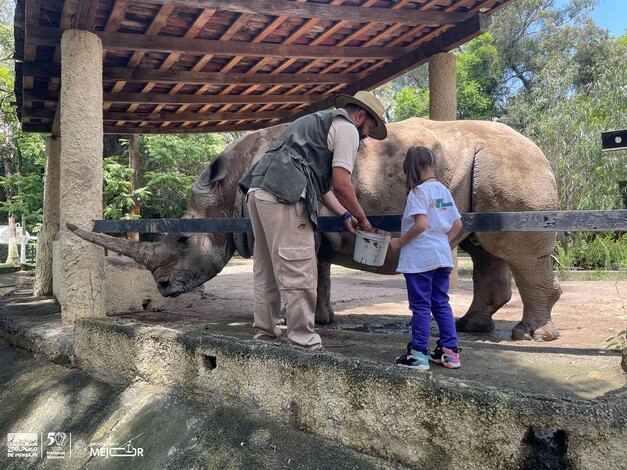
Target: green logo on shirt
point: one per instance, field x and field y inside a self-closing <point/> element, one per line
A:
<point x="440" y="204"/>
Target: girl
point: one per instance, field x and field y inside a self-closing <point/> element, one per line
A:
<point x="429" y="222"/>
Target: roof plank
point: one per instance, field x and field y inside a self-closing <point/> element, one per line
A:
<point x="45" y="36"/>
<point x="327" y="12"/>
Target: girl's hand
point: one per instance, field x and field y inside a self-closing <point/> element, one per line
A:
<point x="395" y="244"/>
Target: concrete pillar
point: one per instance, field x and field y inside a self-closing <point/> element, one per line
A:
<point x="81" y="263"/>
<point x="50" y="225"/>
<point x="442" y="87"/>
<point x="443" y="106"/>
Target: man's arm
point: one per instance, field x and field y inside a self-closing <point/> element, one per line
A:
<point x="345" y="193"/>
<point x="330" y="202"/>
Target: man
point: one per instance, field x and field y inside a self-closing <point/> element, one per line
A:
<point x="311" y="161"/>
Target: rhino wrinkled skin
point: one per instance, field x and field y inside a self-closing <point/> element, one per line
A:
<point x="487" y="166"/>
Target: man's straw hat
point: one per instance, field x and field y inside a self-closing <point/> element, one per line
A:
<point x="369" y="102"/>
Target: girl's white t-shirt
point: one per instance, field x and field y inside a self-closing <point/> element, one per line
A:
<point x="429" y="250"/>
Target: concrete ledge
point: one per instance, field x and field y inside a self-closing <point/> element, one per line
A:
<point x="413" y="418"/>
<point x="35" y="324"/>
<point x="131" y="288"/>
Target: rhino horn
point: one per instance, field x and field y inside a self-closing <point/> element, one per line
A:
<point x="139" y="251"/>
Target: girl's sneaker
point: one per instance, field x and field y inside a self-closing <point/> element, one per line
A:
<point x="418" y="360"/>
<point x="448" y="357"/>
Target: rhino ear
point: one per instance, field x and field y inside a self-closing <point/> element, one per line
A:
<point x="217" y="171"/>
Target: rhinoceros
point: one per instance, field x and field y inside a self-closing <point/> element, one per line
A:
<point x="487" y="166"/>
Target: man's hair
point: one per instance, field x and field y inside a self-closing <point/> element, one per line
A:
<point x="417" y="160"/>
<point x="354" y="107"/>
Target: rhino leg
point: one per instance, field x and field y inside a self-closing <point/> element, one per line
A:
<point x="539" y="290"/>
<point x="492" y="288"/>
<point x="324" y="311"/>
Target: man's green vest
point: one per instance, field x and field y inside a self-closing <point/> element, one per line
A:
<point x="299" y="158"/>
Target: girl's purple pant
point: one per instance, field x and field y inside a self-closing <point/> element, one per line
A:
<point x="428" y="293"/>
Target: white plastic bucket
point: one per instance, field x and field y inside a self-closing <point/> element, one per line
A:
<point x="371" y="247"/>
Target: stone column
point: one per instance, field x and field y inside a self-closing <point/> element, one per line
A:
<point x="443" y="106"/>
<point x="50" y="224"/>
<point x="81" y="263"/>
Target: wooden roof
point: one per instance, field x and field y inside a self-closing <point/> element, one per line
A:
<point x="182" y="66"/>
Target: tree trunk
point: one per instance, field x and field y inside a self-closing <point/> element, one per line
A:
<point x="13" y="256"/>
<point x="133" y="164"/>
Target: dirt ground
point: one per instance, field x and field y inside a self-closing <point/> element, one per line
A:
<point x="373" y="322"/>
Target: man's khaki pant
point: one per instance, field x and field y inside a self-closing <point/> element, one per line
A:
<point x="284" y="267"/>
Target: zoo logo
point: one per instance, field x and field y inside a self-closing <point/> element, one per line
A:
<point x="22" y="444"/>
<point x="440" y="204"/>
<point x="125" y="450"/>
<point x="55" y="447"/>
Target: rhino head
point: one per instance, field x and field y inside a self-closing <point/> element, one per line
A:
<point x="182" y="261"/>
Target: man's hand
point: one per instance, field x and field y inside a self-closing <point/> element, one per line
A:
<point x="351" y="224"/>
<point x="364" y="224"/>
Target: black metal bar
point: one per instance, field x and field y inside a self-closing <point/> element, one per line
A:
<point x="614" y="140"/>
<point x="540" y="221"/>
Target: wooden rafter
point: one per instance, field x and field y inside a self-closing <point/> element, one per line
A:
<point x="210" y="65"/>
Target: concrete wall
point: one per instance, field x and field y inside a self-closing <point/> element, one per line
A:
<point x="128" y="287"/>
<point x="416" y="419"/>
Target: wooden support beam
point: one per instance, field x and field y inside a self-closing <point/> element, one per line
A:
<point x="49" y="70"/>
<point x="219" y="78"/>
<point x="447" y="41"/>
<point x="192" y="117"/>
<point x="326" y="12"/>
<point x="158" y="98"/>
<point x="46" y="36"/>
<point x="540" y="221"/>
<point x="133" y="129"/>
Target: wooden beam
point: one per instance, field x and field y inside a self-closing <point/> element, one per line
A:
<point x="46" y="36"/>
<point x="158" y="98"/>
<point x="219" y="78"/>
<point x="40" y="94"/>
<point x="86" y="14"/>
<point x="41" y="128"/>
<point x="189" y="117"/>
<point x="48" y="71"/>
<point x="38" y="113"/>
<point x="445" y="42"/>
<point x="541" y="221"/>
<point x="127" y="129"/>
<point x="327" y="12"/>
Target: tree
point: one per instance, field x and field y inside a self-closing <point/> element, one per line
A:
<point x="168" y="167"/>
<point x="528" y="32"/>
<point x="480" y="84"/>
<point x="411" y="102"/>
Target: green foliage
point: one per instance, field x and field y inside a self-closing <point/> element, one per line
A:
<point x="480" y="87"/>
<point x="27" y="198"/>
<point x="411" y="102"/>
<point x="117" y="192"/>
<point x="567" y="122"/>
<point x="169" y="165"/>
<point x="607" y="251"/>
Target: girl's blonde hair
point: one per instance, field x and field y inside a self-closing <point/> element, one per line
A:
<point x="417" y="160"/>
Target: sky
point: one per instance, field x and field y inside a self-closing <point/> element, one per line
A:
<point x="612" y="15"/>
<point x="609" y="14"/>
